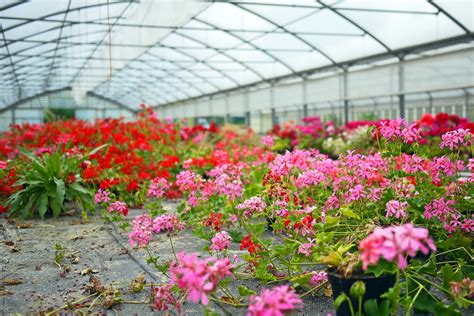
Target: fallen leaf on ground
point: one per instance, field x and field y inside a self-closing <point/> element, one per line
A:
<point x="23" y="225"/>
<point x="88" y="271"/>
<point x="11" y="281"/>
<point x="4" y="292"/>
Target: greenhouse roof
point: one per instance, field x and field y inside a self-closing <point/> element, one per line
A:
<point x="159" y="52"/>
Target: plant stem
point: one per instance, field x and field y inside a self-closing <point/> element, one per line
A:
<point x="172" y="248"/>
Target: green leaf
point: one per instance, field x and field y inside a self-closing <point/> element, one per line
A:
<point x="236" y="235"/>
<point x="245" y="291"/>
<point x="43" y="204"/>
<point x="96" y="150"/>
<point x="79" y="188"/>
<point x="382" y="267"/>
<point x="340" y="299"/>
<point x="60" y="191"/>
<point x="56" y="208"/>
<point x="371" y="308"/>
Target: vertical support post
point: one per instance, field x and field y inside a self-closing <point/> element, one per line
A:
<point x="13" y="116"/>
<point x="466" y="103"/>
<point x="272" y="104"/>
<point x="103" y="112"/>
<point x="195" y="104"/>
<point x="227" y="115"/>
<point x="345" y="95"/>
<point x="210" y="110"/>
<point x="305" y="97"/>
<point x="401" y="87"/>
<point x="430" y="102"/>
<point x="261" y="123"/>
<point x="247" y="107"/>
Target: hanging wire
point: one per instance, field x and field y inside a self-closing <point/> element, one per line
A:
<point x="110" y="45"/>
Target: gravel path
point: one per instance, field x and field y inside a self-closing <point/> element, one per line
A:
<point x="92" y="249"/>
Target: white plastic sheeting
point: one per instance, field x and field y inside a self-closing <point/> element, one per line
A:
<point x="164" y="51"/>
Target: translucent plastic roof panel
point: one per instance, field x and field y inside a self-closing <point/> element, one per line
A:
<point x="163" y="51"/>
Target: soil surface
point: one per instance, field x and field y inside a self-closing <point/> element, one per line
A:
<point x="32" y="283"/>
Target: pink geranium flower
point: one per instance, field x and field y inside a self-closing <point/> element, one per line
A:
<point x="277" y="302"/>
<point x="395" y="243"/>
<point x="220" y="241"/>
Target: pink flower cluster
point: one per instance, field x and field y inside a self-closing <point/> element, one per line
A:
<point x="268" y="141"/>
<point x="446" y="213"/>
<point x="274" y="302"/>
<point x="396" y="208"/>
<point x="3" y="165"/>
<point x="164" y="297"/>
<point x="305" y="249"/>
<point x="188" y="181"/>
<point x="157" y="188"/>
<point x="220" y="241"/>
<point x="144" y="226"/>
<point x="399" y="130"/>
<point x="167" y="222"/>
<point x="141" y="231"/>
<point x="119" y="207"/>
<point x="395" y="243"/>
<point x="228" y="180"/>
<point x="252" y="205"/>
<point x="457" y="138"/>
<point x="197" y="277"/>
<point x="318" y="277"/>
<point x="102" y="196"/>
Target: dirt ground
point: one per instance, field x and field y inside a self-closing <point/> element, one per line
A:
<point x="32" y="283"/>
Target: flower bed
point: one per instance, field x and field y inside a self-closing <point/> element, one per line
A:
<point x="398" y="209"/>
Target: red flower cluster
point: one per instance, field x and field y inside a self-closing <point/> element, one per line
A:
<point x="248" y="244"/>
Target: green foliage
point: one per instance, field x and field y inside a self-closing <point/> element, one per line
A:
<point x="46" y="185"/>
<point x="371" y="308"/>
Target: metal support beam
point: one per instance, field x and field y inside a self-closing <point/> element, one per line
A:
<point x="272" y="104"/>
<point x="430" y="102"/>
<point x="466" y="103"/>
<point x="305" y="96"/>
<point x="345" y="94"/>
<point x="274" y="118"/>
<point x="247" y="107"/>
<point x="401" y="88"/>
<point x="227" y="116"/>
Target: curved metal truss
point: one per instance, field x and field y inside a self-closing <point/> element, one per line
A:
<point x="226" y="45"/>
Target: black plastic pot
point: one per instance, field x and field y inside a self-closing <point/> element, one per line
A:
<point x="375" y="286"/>
<point x="270" y="222"/>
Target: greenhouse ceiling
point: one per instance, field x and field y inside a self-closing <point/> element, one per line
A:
<point x="160" y="52"/>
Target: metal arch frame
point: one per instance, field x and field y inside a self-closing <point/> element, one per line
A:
<point x="19" y="102"/>
<point x="219" y="51"/>
<point x="48" y="78"/>
<point x="171" y="86"/>
<point x="249" y="43"/>
<point x="180" y="67"/>
<point x="397" y="53"/>
<point x="133" y="86"/>
<point x="11" y="5"/>
<point x="42" y="18"/>
<point x="450" y="17"/>
<point x="356" y="25"/>
<point x="95" y="22"/>
<point x="118" y="103"/>
<point x="295" y="35"/>
<point x="466" y="38"/>
<point x="103" y="39"/>
<point x="12" y="65"/>
<point x="164" y="70"/>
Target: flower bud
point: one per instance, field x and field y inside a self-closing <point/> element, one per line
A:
<point x="357" y="289"/>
